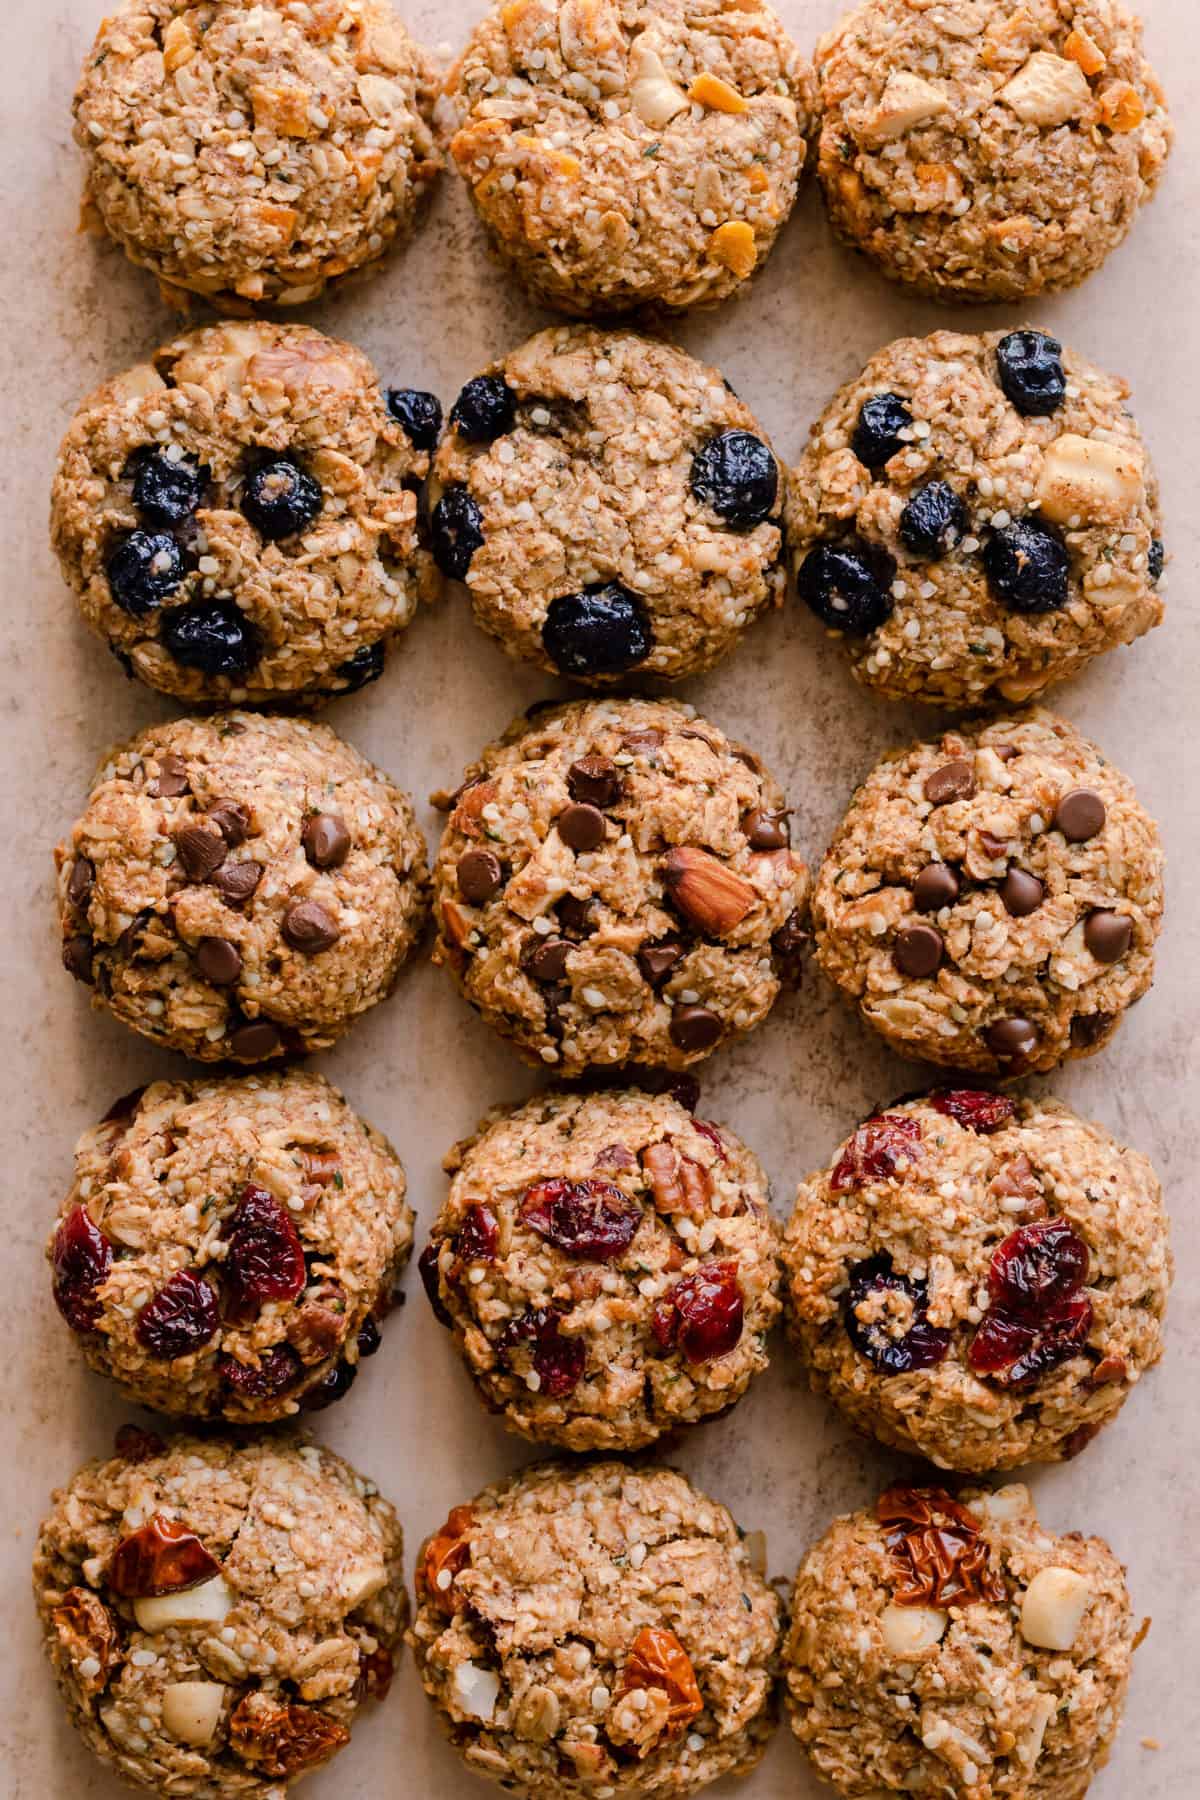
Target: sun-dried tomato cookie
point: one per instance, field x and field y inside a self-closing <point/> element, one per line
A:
<point x="229" y="1246"/>
<point x="631" y="154"/>
<point x="992" y="898"/>
<point x="959" y="1648"/>
<point x="238" y="515"/>
<point x="977" y="517"/>
<point x="255" y="153"/>
<point x="611" y="506"/>
<point x="216" y="1612"/>
<point x="985" y="151"/>
<point x="597" y="1629"/>
<point x="978" y="1280"/>
<point x="241" y="886"/>
<point x="608" y="1266"/>
<point x="614" y="886"/>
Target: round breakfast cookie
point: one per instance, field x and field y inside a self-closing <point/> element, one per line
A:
<point x="607" y="1265"/>
<point x="992" y="898"/>
<point x="611" y="505"/>
<point x="255" y="153"/>
<point x="216" y="1612"/>
<point x="597" y="1630"/>
<point x="959" y="1648"/>
<point x="631" y="154"/>
<point x="241" y="886"/>
<point x="614" y="885"/>
<point x="985" y="151"/>
<point x="229" y="1245"/>
<point x="977" y="517"/>
<point x="238" y="516"/>
<point x="979" y="1281"/>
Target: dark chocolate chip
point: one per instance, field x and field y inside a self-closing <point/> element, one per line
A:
<point x="1022" y="893"/>
<point x="581" y="827"/>
<point x="1088" y="1028"/>
<point x="657" y="960"/>
<point x="480" y="876"/>
<point x="1108" y="935"/>
<point x="790" y="942"/>
<point x="254" y="1040"/>
<point x="953" y="781"/>
<point x="200" y="852"/>
<point x="918" y="951"/>
<point x="172" y="778"/>
<point x="326" y="841"/>
<point x="1006" y="752"/>
<point x="77" y="957"/>
<point x="766" y="830"/>
<point x="232" y="820"/>
<point x="237" y="882"/>
<point x="1080" y="815"/>
<point x="1012" y="1040"/>
<point x="218" y="961"/>
<point x="310" y="928"/>
<point x="642" y="742"/>
<point x="695" y="1028"/>
<point x="575" y="915"/>
<point x="546" y="959"/>
<point x="81" y="881"/>
<point x="595" y="781"/>
<point x="936" y="886"/>
<point x="993" y="847"/>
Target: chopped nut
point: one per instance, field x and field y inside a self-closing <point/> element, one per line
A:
<point x="179" y="46"/>
<point x="1110" y="1369"/>
<point x="191" y="1711"/>
<point x="678" y="1184"/>
<point x="1085" y="51"/>
<point x="710" y="90"/>
<point x="653" y="94"/>
<point x="476" y="1690"/>
<point x="1048" y="91"/>
<point x="1053" y="1608"/>
<point x="711" y="896"/>
<point x="907" y="101"/>
<point x="908" y="1630"/>
<point x="88" y="1634"/>
<point x="206" y="1605"/>
<point x="732" y="245"/>
<point x="1006" y="1503"/>
<point x="1121" y="107"/>
<point x="1090" y="479"/>
<point x="1029" y="1745"/>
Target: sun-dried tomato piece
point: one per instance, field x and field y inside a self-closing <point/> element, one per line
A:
<point x="428" y="1270"/>
<point x="180" y="1319"/>
<point x="704" y="1314"/>
<point x="976" y="1109"/>
<point x="558" y="1361"/>
<point x="265" y="1259"/>
<point x="160" y="1557"/>
<point x="478" y="1235"/>
<point x="281" y="1741"/>
<point x="88" y="1634"/>
<point x="590" y="1220"/>
<point x="881" y="1147"/>
<point x="82" y="1260"/>
<point x="1037" y="1267"/>
<point x="446" y="1554"/>
<point x="876" y="1288"/>
<point x="937" y="1549"/>
<point x="275" y="1372"/>
<point x="657" y="1659"/>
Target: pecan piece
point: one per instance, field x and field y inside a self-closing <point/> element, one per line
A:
<point x="318" y="1328"/>
<point x="282" y="1741"/>
<point x="321" y="1167"/>
<point x="658" y="1661"/>
<point x="678" y="1184"/>
<point x="88" y="1634"/>
<point x="710" y="896"/>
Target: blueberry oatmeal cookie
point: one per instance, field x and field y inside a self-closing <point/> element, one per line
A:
<point x="217" y="1612"/>
<point x="615" y="885"/>
<point x="607" y="1265"/>
<point x="977" y="1280"/>
<point x="957" y="1647"/>
<point x="229" y="1246"/>
<point x="597" y="1630"/>
<point x="977" y="517"/>
<point x="631" y="154"/>
<point x="241" y="886"/>
<point x="255" y="153"/>
<point x="992" y="898"/>
<point x="238" y="516"/>
<point x="611" y="506"/>
<point x="978" y="150"/>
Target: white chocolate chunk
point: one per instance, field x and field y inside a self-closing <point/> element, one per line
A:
<point x="909" y="1629"/>
<point x="476" y="1690"/>
<point x="1090" y="480"/>
<point x="906" y="101"/>
<point x="359" y="1582"/>
<point x="655" y="98"/>
<point x="203" y="1605"/>
<point x="1029" y="1744"/>
<point x="191" y="1711"/>
<point x="1053" y="1608"/>
<point x="1006" y="1503"/>
<point x="1048" y="91"/>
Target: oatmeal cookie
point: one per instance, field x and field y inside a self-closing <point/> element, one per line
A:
<point x="238" y="516"/>
<point x="611" y="506"/>
<point x="976" y="518"/>
<point x="255" y="153"/>
<point x="597" y="1629"/>
<point x="229" y="1246"/>
<point x="979" y="1280"/>
<point x="957" y="1647"/>
<point x="992" y="898"/>
<point x="631" y="154"/>
<point x="607" y="1265"/>
<point x="241" y="886"/>
<point x="614" y="885"/>
<point x="984" y="151"/>
<point x="216" y="1612"/>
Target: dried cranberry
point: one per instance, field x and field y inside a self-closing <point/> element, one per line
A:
<point x="476" y="1242"/>
<point x="277" y="1371"/>
<point x="976" y="1109"/>
<point x="880" y="1148"/>
<point x="558" y="1361"/>
<point x="136" y="1445"/>
<point x="1037" y="1267"/>
<point x="181" y="1317"/>
<point x="922" y="1346"/>
<point x="82" y="1260"/>
<point x="427" y="1269"/>
<point x="706" y="1314"/>
<point x="375" y="1673"/>
<point x="265" y="1260"/>
<point x="332" y="1387"/>
<point x="592" y="1221"/>
<point x="714" y="1137"/>
<point x="1019" y="1353"/>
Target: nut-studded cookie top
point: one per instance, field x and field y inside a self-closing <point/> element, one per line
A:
<point x="615" y="885"/>
<point x="238" y="516"/>
<point x="611" y="505"/>
<point x="631" y="154"/>
<point x="597" y="1627"/>
<point x="217" y="1612"/>
<point x="977" y="517"/>
<point x="256" y="153"/>
<point x="982" y="151"/>
<point x="229" y="1247"/>
<point x="992" y="898"/>
<point x="241" y="886"/>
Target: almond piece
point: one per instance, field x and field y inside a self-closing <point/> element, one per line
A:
<point x="711" y="896"/>
<point x="709" y="90"/>
<point x="1091" y="480"/>
<point x="655" y="98"/>
<point x="1053" y="1608"/>
<point x="908" y="1630"/>
<point x="179" y="46"/>
<point x="1048" y="91"/>
<point x="906" y="102"/>
<point x="191" y="1711"/>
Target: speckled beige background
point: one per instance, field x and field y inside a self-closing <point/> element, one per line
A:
<point x="423" y="1067"/>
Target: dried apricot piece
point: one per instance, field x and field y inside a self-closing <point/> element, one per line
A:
<point x="446" y="1554"/>
<point x="657" y="1659"/>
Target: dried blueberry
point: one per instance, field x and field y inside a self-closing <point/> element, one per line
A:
<point x="212" y="636"/>
<point x="873" y="1284"/>
<point x="1027" y="567"/>
<point x="332" y="1387"/>
<point x="166" y="493"/>
<point x="876" y="437"/>
<point x="359" y="670"/>
<point x="602" y="631"/>
<point x="280" y="498"/>
<point x="848" y="586"/>
<point x="457" y="532"/>
<point x="933" y="521"/>
<point x="1031" y="372"/>
<point x="370" y="1338"/>
<point x="419" y="413"/>
<point x="737" y="476"/>
<point x="1156" y="561"/>
<point x="144" y="570"/>
<point x="485" y="410"/>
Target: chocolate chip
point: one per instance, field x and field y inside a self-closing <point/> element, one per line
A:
<point x="766" y="830"/>
<point x="595" y="781"/>
<point x="1006" y="752"/>
<point x="642" y="742"/>
<point x="581" y="827"/>
<point x="480" y="876"/>
<point x="790" y="942"/>
<point x="81" y="880"/>
<point x="575" y="915"/>
<point x="172" y="777"/>
<point x="993" y="847"/>
<point x="309" y="928"/>
<point x="953" y="781"/>
<point x="546" y="959"/>
<point x="1012" y="1040"/>
<point x="236" y="882"/>
<point x="936" y="886"/>
<point x="695" y="1028"/>
<point x="200" y="852"/>
<point x="1080" y="815"/>
<point x="218" y="961"/>
<point x="657" y="960"/>
<point x="326" y="841"/>
<point x="232" y="820"/>
<point x="77" y="957"/>
<point x="1108" y="935"/>
<point x="1022" y="893"/>
<point x="1088" y="1028"/>
<point x="918" y="951"/>
<point x="254" y="1040"/>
